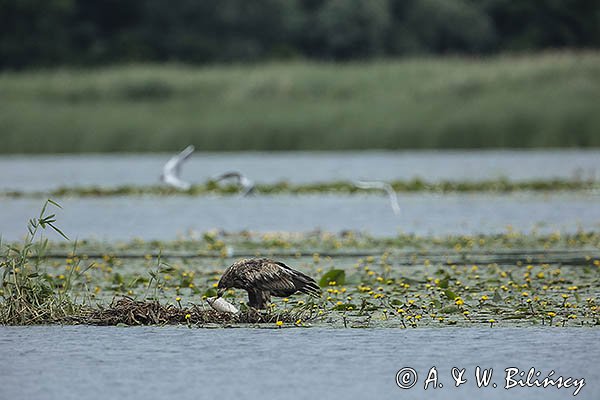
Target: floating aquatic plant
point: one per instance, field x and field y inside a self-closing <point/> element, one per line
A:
<point x="501" y="185"/>
<point x="406" y="281"/>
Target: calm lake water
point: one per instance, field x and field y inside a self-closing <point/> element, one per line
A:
<point x="421" y="213"/>
<point x="55" y="362"/>
<point x="46" y="172"/>
<point x="180" y="363"/>
<point x="165" y="218"/>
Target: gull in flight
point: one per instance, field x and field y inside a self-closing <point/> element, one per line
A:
<point x="172" y="170"/>
<point x="383" y="186"/>
<point x="247" y="185"/>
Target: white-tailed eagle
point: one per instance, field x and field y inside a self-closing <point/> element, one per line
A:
<point x="263" y="278"/>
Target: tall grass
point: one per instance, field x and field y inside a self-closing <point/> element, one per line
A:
<point x="512" y="101"/>
<point x="26" y="296"/>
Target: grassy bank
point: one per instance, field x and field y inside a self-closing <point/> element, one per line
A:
<point x="528" y="101"/>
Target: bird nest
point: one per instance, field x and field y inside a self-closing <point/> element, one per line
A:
<point x="127" y="311"/>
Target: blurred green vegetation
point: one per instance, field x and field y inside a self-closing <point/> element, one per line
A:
<point x="501" y="185"/>
<point x="36" y="33"/>
<point x="545" y="100"/>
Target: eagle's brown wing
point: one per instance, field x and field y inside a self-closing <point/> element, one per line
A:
<point x="276" y="278"/>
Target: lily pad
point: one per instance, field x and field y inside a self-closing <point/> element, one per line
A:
<point x="333" y="275"/>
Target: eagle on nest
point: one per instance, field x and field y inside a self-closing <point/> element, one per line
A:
<point x="263" y="278"/>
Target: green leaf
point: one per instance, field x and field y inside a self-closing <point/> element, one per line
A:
<point x="117" y="279"/>
<point x="54" y="203"/>
<point x="443" y="283"/>
<point x="450" y="294"/>
<point x="450" y="310"/>
<point x="333" y="275"/>
<point x="345" y="307"/>
<point x="212" y="292"/>
<point x="58" y="231"/>
<point x="412" y="281"/>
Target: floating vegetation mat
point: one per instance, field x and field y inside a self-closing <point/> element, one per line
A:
<point x="512" y="245"/>
<point x="357" y="291"/>
<point x="131" y="312"/>
<point x="339" y="187"/>
<point x="507" y="280"/>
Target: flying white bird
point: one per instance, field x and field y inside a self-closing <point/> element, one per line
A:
<point x="172" y="170"/>
<point x="247" y="185"/>
<point x="383" y="186"/>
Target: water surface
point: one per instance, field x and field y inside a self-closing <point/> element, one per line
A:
<point x="165" y="218"/>
<point x="28" y="172"/>
<point x="54" y="362"/>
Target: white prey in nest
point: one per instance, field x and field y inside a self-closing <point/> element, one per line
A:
<point x="221" y="305"/>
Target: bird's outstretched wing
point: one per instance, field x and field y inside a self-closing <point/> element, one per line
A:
<point x="173" y="166"/>
<point x="248" y="186"/>
<point x="369" y="184"/>
<point x="229" y="175"/>
<point x="275" y="277"/>
<point x="382" y="186"/>
<point x="172" y="169"/>
<point x="393" y="198"/>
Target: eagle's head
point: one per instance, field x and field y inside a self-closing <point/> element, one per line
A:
<point x="222" y="286"/>
<point x="230" y="278"/>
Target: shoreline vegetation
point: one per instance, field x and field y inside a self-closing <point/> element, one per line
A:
<point x="501" y="185"/>
<point x="507" y="101"/>
<point x="220" y="244"/>
<point x="78" y="32"/>
<point x="433" y="282"/>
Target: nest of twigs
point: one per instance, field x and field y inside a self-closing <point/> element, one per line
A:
<point x="128" y="311"/>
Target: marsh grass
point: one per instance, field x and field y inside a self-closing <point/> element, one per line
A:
<point x="543" y="100"/>
<point x="27" y="296"/>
